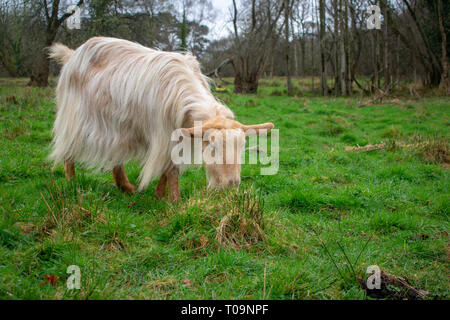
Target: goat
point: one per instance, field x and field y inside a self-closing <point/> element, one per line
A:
<point x="118" y="100"/>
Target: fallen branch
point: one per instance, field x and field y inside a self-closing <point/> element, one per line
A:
<point x="436" y="151"/>
<point x="366" y="148"/>
<point x="360" y="86"/>
<point x="394" y="287"/>
<point x="215" y="72"/>
<point x="379" y="97"/>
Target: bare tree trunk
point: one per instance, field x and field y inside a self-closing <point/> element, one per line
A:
<point x="294" y="41"/>
<point x="312" y="47"/>
<point x="272" y="65"/>
<point x="295" y="58"/>
<point x="312" y="64"/>
<point x="245" y="82"/>
<point x="40" y="79"/>
<point x="323" y="75"/>
<point x="444" y="80"/>
<point x="415" y="69"/>
<point x="356" y="45"/>
<point x="343" y="61"/>
<point x="337" y="80"/>
<point x="386" y="51"/>
<point x="376" y="64"/>
<point x="303" y="55"/>
<point x="8" y="64"/>
<point x="348" y="78"/>
<point x="287" y="46"/>
<point x="397" y="52"/>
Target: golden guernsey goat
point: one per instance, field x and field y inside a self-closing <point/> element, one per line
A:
<point x="118" y="100"/>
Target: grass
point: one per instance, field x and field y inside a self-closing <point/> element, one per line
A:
<point x="308" y="232"/>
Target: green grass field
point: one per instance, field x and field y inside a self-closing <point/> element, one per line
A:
<point x="327" y="214"/>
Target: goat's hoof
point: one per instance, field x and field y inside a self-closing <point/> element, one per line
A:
<point x="160" y="195"/>
<point x="127" y="188"/>
<point x="174" y="198"/>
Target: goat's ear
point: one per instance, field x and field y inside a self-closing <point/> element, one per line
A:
<point x="254" y="129"/>
<point x="192" y="131"/>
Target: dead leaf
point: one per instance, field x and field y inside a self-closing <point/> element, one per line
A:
<point x="187" y="282"/>
<point x="50" y="279"/>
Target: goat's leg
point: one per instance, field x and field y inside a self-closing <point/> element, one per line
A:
<point x="121" y="180"/>
<point x="160" y="191"/>
<point x="69" y="168"/>
<point x="172" y="179"/>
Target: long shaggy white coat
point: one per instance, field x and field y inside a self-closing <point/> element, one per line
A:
<point x="118" y="100"/>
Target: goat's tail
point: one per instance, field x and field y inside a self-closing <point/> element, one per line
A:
<point x="60" y="53"/>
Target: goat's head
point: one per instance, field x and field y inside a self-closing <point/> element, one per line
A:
<point x="223" y="145"/>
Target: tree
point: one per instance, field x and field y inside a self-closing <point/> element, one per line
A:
<point x="417" y="30"/>
<point x="287" y="47"/>
<point x="337" y="79"/>
<point x="387" y="76"/>
<point x="356" y="42"/>
<point x="14" y="54"/>
<point x="342" y="55"/>
<point x="445" y="84"/>
<point x="323" y="75"/>
<point x="184" y="31"/>
<point x="300" y="14"/>
<point x="53" y="21"/>
<point x="254" y="33"/>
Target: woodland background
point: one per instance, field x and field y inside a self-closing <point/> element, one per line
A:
<point x="328" y="39"/>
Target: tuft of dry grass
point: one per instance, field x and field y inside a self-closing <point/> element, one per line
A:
<point x="11" y="100"/>
<point x="435" y="149"/>
<point x="114" y="243"/>
<point x="244" y="223"/>
<point x="16" y="130"/>
<point x="65" y="209"/>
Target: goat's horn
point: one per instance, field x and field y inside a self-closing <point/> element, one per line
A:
<point x="254" y="129"/>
